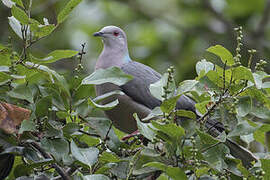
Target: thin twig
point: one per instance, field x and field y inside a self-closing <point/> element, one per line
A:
<point x="89" y="134"/>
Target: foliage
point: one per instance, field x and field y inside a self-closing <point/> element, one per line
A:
<point x="64" y="138"/>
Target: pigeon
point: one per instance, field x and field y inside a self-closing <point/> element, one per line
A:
<point x="136" y="97"/>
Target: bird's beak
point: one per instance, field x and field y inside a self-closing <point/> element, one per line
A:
<point x="98" y="34"/>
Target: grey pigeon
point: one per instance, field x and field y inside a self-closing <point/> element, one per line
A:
<point x="137" y="98"/>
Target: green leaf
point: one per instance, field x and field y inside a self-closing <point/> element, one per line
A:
<point x="201" y="107"/>
<point x="223" y="53"/>
<point x="20" y="15"/>
<point x="71" y="128"/>
<point x="242" y="128"/>
<point x="15" y="25"/>
<point x="111" y="75"/>
<point x="27" y="125"/>
<point x="59" y="147"/>
<point x="206" y="139"/>
<point x="101" y="127"/>
<point x="67" y="9"/>
<point x="52" y="75"/>
<point x="174" y="172"/>
<point x="4" y="78"/>
<point x="244" y="106"/>
<point x="266" y="167"/>
<point x="216" y="155"/>
<point x="186" y="113"/>
<point x="259" y="134"/>
<point x="87" y="156"/>
<point x="22" y="92"/>
<point x="186" y="86"/>
<point x="40" y="30"/>
<point x="43" y="105"/>
<point x="103" y="107"/>
<point x="108" y="157"/>
<point x="55" y="56"/>
<point x="172" y="130"/>
<point x="96" y="177"/>
<point x="203" y="66"/>
<point x="145" y="128"/>
<point x="157" y="90"/>
<point x="18" y="2"/>
<point x="168" y="105"/>
<point x="242" y="72"/>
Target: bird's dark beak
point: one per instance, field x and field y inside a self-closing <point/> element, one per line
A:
<point x="98" y="34"/>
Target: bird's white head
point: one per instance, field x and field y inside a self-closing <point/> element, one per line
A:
<point x="113" y="37"/>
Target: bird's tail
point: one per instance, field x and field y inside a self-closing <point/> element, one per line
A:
<point x="215" y="128"/>
<point x="241" y="153"/>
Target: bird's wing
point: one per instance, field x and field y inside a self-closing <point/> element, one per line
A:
<point x="138" y="87"/>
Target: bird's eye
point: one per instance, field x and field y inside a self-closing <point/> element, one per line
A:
<point x="115" y="33"/>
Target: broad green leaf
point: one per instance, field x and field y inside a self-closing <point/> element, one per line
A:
<point x="101" y="127"/>
<point x="22" y="92"/>
<point x="186" y="113"/>
<point x="163" y="176"/>
<point x="58" y="147"/>
<point x="201" y="171"/>
<point x="203" y="66"/>
<point x="27" y="125"/>
<point x="43" y="105"/>
<point x="223" y="53"/>
<point x="175" y="173"/>
<point x="71" y="128"/>
<point x="67" y="9"/>
<point x="4" y="77"/>
<point x="111" y="75"/>
<point x="259" y="134"/>
<point x="266" y="168"/>
<point x="96" y="177"/>
<point x="103" y="107"/>
<point x="52" y="130"/>
<point x="40" y="30"/>
<point x="87" y="156"/>
<point x="242" y="72"/>
<point x="170" y="129"/>
<point x="244" y="106"/>
<point x="18" y="2"/>
<point x="145" y="128"/>
<point x="186" y="86"/>
<point x="157" y="90"/>
<point x="168" y="105"/>
<point x="201" y="107"/>
<point x="242" y="128"/>
<point x="216" y="155"/>
<point x="215" y="78"/>
<point x="15" y="25"/>
<point x="52" y="75"/>
<point x="261" y="112"/>
<point x="20" y="15"/>
<point x="108" y="157"/>
<point x="206" y="139"/>
<point x="55" y="56"/>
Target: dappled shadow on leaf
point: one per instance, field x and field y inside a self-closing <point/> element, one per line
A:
<point x="11" y="116"/>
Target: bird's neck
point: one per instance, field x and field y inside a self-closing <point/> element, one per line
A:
<point x="115" y="56"/>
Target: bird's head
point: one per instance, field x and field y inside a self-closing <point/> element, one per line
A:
<point x="112" y="36"/>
